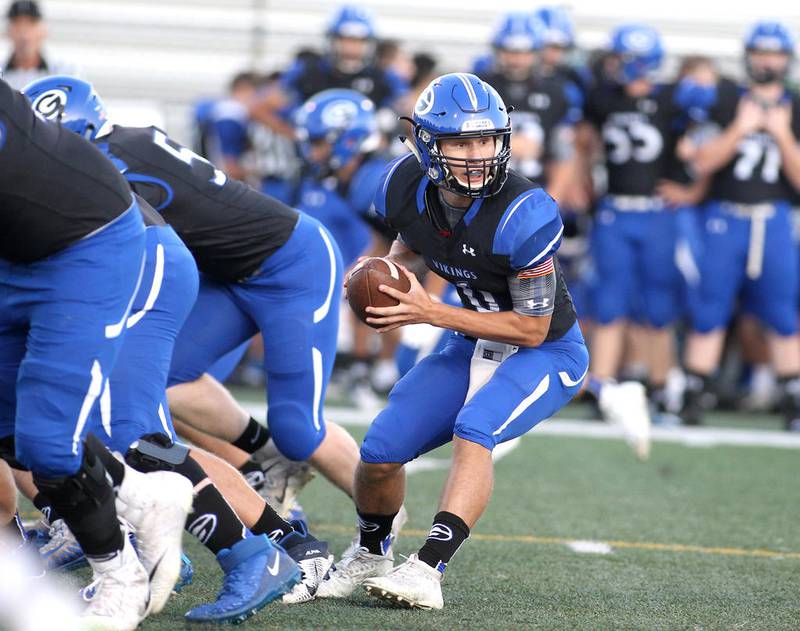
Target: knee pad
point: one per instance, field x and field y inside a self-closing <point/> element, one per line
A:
<point x="8" y="453"/>
<point x="157" y="452"/>
<point x="293" y="432"/>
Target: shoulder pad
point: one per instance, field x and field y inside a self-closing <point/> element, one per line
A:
<point x="529" y="230"/>
<point x="386" y="179"/>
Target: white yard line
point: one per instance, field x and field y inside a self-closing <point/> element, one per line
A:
<point x="689" y="436"/>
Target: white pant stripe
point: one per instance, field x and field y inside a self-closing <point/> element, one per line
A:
<point x="322" y="311"/>
<point x="115" y="330"/>
<point x="155" y="288"/>
<point x="534" y="396"/>
<point x="316" y="362"/>
<point x="95" y="388"/>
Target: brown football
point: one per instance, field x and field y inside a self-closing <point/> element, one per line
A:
<point x="363" y="282"/>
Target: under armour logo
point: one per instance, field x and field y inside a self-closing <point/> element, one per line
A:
<point x="203" y="527"/>
<point x="440" y="532"/>
<point x="544" y="303"/>
<point x="467" y="250"/>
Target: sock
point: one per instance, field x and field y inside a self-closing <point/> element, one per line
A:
<point x="790" y="400"/>
<point x="375" y="531"/>
<point x="254" y="437"/>
<point x="445" y="538"/>
<point x="114" y="467"/>
<point x="271" y="524"/>
<point x="45" y="507"/>
<point x="250" y="467"/>
<point x="594" y="385"/>
<point x="212" y="520"/>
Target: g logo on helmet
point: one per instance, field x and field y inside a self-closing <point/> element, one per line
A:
<point x="639" y="41"/>
<point x="49" y="105"/>
<point x="425" y="101"/>
<point x="339" y="114"/>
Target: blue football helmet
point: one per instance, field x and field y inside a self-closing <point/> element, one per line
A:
<point x="352" y="21"/>
<point x="345" y="119"/>
<point x="70" y="101"/>
<point x="768" y="36"/>
<point x="518" y="31"/>
<point x="460" y="105"/>
<point x="557" y="27"/>
<point x="640" y="51"/>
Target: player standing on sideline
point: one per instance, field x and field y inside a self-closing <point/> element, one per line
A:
<point x="542" y="145"/>
<point x="518" y="355"/>
<point x="750" y="147"/>
<point x="634" y="233"/>
<point x="349" y="63"/>
<point x="71" y="255"/>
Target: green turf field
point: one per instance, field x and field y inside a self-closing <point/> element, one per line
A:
<point x="700" y="538"/>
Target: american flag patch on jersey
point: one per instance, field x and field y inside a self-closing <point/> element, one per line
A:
<point x="543" y="269"/>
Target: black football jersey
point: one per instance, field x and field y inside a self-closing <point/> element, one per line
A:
<point x="307" y="78"/>
<point x="539" y="105"/>
<point x="229" y="227"/>
<point x="55" y="187"/>
<point x="755" y="174"/>
<point x="498" y="237"/>
<point x="639" y="136"/>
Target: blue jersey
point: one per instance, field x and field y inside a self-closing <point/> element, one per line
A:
<point x="499" y="237"/>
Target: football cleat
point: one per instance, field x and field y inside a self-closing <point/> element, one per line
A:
<point x="625" y="405"/>
<point x="353" y="569"/>
<point x="62" y="551"/>
<point x="413" y="584"/>
<point x="156" y="505"/>
<point x="280" y="479"/>
<point x="313" y="558"/>
<point x="186" y="576"/>
<point x="120" y="594"/>
<point x="256" y="573"/>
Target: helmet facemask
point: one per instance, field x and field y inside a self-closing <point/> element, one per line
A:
<point x="443" y="168"/>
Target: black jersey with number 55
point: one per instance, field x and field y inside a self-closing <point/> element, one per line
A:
<point x="229" y="227"/>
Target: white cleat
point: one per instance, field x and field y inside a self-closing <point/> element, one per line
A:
<point x="156" y="505"/>
<point x="351" y="571"/>
<point x="313" y="570"/>
<point x="280" y="479"/>
<point x="412" y="584"/>
<point x="625" y="405"/>
<point x="121" y="592"/>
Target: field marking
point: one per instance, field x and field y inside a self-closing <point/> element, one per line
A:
<point x="590" y="547"/>
<point x="578" y="428"/>
<point x="630" y="545"/>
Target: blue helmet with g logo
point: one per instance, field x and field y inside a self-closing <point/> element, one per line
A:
<point x="352" y="21"/>
<point x="518" y="32"/>
<point x="69" y="101"/>
<point x="640" y="51"/>
<point x="461" y="106"/>
<point x="557" y="27"/>
<point x="773" y="37"/>
<point x="345" y="119"/>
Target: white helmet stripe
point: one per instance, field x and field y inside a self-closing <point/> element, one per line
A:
<point x="473" y="98"/>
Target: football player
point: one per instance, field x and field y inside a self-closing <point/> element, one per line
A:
<point x="71" y="255"/>
<point x="749" y="146"/>
<point x="516" y="358"/>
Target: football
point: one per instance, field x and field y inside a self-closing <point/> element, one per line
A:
<point x="364" y="280"/>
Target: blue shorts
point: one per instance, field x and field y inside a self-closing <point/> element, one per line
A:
<point x="62" y="322"/>
<point x="294" y="301"/>
<point x="426" y="408"/>
<point x="772" y="296"/>
<point x="139" y="380"/>
<point x="634" y="259"/>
